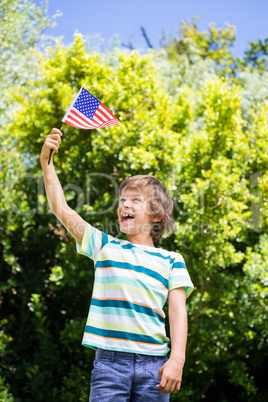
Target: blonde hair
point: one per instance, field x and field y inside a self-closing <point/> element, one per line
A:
<point x="160" y="203"/>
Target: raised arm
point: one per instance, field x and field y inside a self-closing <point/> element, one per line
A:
<point x="56" y="199"/>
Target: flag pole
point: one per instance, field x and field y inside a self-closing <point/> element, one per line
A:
<point x="50" y="155"/>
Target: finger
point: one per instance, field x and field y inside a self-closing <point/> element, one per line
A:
<point x="162" y="390"/>
<point x="162" y="385"/>
<point x="172" y="387"/>
<point x="54" y="149"/>
<point x="168" y="387"/>
<point x="54" y="136"/>
<point x="56" y="131"/>
<point x="52" y="142"/>
<point x="160" y="374"/>
<point x="53" y="139"/>
<point x="178" y="386"/>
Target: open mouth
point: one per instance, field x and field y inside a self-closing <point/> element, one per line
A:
<point x="126" y="217"/>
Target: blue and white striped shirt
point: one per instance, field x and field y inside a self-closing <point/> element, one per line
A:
<point x="130" y="289"/>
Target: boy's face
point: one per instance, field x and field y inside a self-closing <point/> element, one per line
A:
<point x="134" y="213"/>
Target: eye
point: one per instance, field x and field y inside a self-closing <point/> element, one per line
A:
<point x="136" y="199"/>
<point x="122" y="200"/>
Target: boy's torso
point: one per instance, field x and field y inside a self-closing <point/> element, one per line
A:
<point x="130" y="289"/>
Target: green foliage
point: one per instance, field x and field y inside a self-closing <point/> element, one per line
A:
<point x="213" y="44"/>
<point x="256" y="55"/>
<point x="206" y="138"/>
<point x="21" y="25"/>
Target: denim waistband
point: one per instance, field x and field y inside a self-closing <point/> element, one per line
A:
<point x="115" y="355"/>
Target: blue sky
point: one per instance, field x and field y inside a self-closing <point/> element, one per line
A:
<point x="124" y="17"/>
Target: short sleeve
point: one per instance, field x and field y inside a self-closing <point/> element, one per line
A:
<point x="179" y="275"/>
<point x="93" y="241"/>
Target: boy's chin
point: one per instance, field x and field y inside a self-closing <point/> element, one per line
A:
<point x="127" y="229"/>
<point x="132" y="229"/>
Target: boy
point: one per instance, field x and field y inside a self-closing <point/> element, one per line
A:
<point x="126" y="322"/>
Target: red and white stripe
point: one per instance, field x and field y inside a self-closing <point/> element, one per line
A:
<point x="103" y="117"/>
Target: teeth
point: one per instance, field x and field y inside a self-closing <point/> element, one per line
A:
<point x="124" y="215"/>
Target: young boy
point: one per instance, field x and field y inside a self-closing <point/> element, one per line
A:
<point x="133" y="279"/>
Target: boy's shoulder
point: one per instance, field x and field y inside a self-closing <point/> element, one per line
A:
<point x="173" y="255"/>
<point x="153" y="251"/>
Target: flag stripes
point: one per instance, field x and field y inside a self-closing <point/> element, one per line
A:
<point x="87" y="112"/>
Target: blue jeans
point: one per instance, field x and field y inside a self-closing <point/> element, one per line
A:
<point x="126" y="377"/>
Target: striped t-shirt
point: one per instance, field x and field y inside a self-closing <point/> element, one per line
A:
<point x="130" y="289"/>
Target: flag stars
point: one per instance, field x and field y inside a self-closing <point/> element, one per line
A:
<point x="87" y="104"/>
<point x="81" y="113"/>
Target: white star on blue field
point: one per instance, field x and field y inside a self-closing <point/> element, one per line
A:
<point x="87" y="104"/>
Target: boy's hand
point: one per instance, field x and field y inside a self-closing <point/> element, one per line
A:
<point x="170" y="376"/>
<point x="52" y="141"/>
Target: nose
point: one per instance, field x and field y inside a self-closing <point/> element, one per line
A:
<point x="127" y="203"/>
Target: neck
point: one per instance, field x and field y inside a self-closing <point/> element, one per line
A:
<point x="146" y="240"/>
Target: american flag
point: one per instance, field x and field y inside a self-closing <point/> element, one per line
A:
<point x="88" y="112"/>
